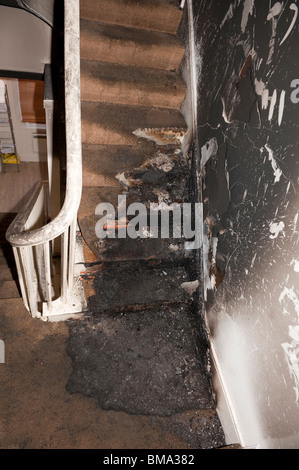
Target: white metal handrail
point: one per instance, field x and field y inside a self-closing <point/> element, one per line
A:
<point x="32" y="246"/>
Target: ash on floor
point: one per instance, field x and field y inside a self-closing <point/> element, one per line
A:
<point x="144" y="362"/>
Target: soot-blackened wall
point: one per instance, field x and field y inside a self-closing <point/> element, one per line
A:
<point x="247" y="68"/>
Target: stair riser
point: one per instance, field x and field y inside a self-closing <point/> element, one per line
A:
<point x="99" y="179"/>
<point x="148" y="15"/>
<point x="109" y="124"/>
<point x="93" y="89"/>
<point x="112" y="160"/>
<point x="93" y="133"/>
<point x="165" y="57"/>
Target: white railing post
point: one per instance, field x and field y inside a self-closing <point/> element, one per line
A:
<point x="20" y="276"/>
<point x="30" y="278"/>
<point x="34" y="267"/>
<point x="64" y="263"/>
<point x="48" y="277"/>
<point x="72" y="244"/>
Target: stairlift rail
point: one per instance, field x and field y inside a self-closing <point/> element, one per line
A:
<point x="33" y="247"/>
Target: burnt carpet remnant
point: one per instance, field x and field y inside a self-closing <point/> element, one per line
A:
<point x="141" y="349"/>
<point x="145" y="362"/>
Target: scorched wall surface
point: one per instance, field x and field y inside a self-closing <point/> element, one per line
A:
<point x="248" y="107"/>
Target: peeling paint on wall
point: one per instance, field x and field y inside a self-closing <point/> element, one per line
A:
<point x="295" y="263"/>
<point x="276" y="170"/>
<point x="247" y="10"/>
<point x="276" y="229"/>
<point x="248" y="162"/>
<point x="293" y="7"/>
<point x="208" y="151"/>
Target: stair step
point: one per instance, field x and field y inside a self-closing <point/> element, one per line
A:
<point x="163" y="178"/>
<point x="92" y="196"/>
<point x="7" y="274"/>
<point x="157" y="250"/>
<point x="110" y="124"/>
<point x="114" y="159"/>
<point x="125" y="46"/>
<point x="109" y="161"/>
<point x="159" y="15"/>
<point x="120" y="288"/>
<point x="145" y="362"/>
<point x="9" y="290"/>
<point x="122" y="84"/>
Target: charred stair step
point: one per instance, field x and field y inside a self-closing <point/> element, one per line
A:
<point x="120" y="288"/>
<point x="159" y="15"/>
<point x="122" y="249"/>
<point x="132" y="165"/>
<point x="92" y="196"/>
<point x="113" y="159"/>
<point x="146" y="362"/>
<point x="163" y="178"/>
<point x="157" y="250"/>
<point x="9" y="290"/>
<point x="135" y="47"/>
<point x="136" y="86"/>
<point x="159" y="183"/>
<point x="111" y="124"/>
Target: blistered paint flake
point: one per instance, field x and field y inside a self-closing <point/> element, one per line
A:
<point x="162" y="136"/>
<point x="276" y="229"/>
<point x="276" y="170"/>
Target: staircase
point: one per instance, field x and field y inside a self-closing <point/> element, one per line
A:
<point x="130" y="57"/>
<point x="141" y="348"/>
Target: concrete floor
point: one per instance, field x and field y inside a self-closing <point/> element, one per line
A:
<point x="37" y="412"/>
<point x="16" y="185"/>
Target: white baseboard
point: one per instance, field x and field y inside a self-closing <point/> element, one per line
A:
<point x="224" y="406"/>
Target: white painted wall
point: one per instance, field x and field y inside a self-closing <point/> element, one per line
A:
<point x="30" y="148"/>
<point x="254" y="318"/>
<point x="25" y="41"/>
<point x="25" y="47"/>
